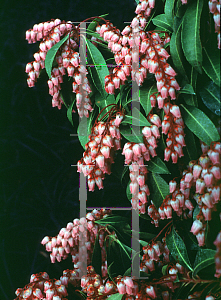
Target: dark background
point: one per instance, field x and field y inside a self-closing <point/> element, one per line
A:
<point x="38" y="188"/>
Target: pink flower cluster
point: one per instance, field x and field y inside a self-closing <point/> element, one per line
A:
<point x="214" y="7"/>
<point x="104" y="140"/>
<point x="201" y="183"/>
<point x="41" y="287"/>
<point x="135" y="154"/>
<point x="68" y="239"/>
<point x="68" y="60"/>
<point x="217" y="243"/>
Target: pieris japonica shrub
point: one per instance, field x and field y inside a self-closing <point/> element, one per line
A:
<point x="150" y="93"/>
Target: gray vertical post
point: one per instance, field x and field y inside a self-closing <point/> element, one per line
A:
<point x="136" y="129"/>
<point x="82" y="179"/>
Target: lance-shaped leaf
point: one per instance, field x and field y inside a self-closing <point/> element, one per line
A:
<point x="112" y="220"/>
<point x="190" y="98"/>
<point x="190" y="145"/>
<point x="159" y="189"/>
<point x="178" y="249"/>
<point x="98" y="67"/>
<point x="190" y="34"/>
<point x="93" y="24"/>
<point x="210" y="95"/>
<point x="187" y="89"/>
<point x="176" y="50"/>
<point x="102" y="102"/>
<point x="168" y="10"/>
<point x="131" y="135"/>
<point x="156" y="165"/>
<point x="51" y="55"/>
<point x="145" y="94"/>
<point x="136" y="119"/>
<point x="162" y="22"/>
<point x="69" y="112"/>
<point x="211" y="64"/>
<point x="84" y="129"/>
<point x="116" y="296"/>
<point x="198" y="122"/>
<point x="204" y="258"/>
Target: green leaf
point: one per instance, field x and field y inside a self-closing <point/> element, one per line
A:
<point x="84" y="130"/>
<point x="93" y="24"/>
<point x="145" y="94"/>
<point x="102" y="102"/>
<point x="198" y="122"/>
<point x="51" y="55"/>
<point x="196" y="212"/>
<point x="190" y="145"/>
<point x="131" y="135"/>
<point x="191" y="98"/>
<point x="96" y="256"/>
<point x="164" y="270"/>
<point x="162" y="22"/>
<point x="204" y="258"/>
<point x="190" y="34"/>
<point x="178" y="249"/>
<point x="116" y="296"/>
<point x="99" y="69"/>
<point x="210" y="95"/>
<point x="136" y="119"/>
<point x="211" y="64"/>
<point x="176" y="51"/>
<point x="187" y="89"/>
<point x="159" y="189"/>
<point x="69" y="112"/>
<point x="156" y="165"/>
<point x="129" y="195"/>
<point x="168" y="10"/>
<point x="112" y="220"/>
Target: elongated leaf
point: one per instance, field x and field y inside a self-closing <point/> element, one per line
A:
<point x="145" y="94"/>
<point x="136" y="119"/>
<point x="129" y="195"/>
<point x="69" y="112"/>
<point x="190" y="34"/>
<point x="116" y="296"/>
<point x="198" y="122"/>
<point x="178" y="249"/>
<point x="210" y="95"/>
<point x="96" y="256"/>
<point x="102" y="102"/>
<point x="99" y="67"/>
<point x="204" y="258"/>
<point x="112" y="220"/>
<point x="187" y="89"/>
<point x="190" y="145"/>
<point x="211" y="64"/>
<point x="176" y="51"/>
<point x="162" y="22"/>
<point x="168" y="9"/>
<point x="51" y="55"/>
<point x="131" y="135"/>
<point x="93" y="24"/>
<point x="84" y="129"/>
<point x="159" y="189"/>
<point x="156" y="165"/>
<point x="196" y="212"/>
<point x="191" y="98"/>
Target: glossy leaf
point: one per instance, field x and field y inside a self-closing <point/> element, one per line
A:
<point x="135" y="119"/>
<point x="145" y="94"/>
<point x="156" y="165"/>
<point x="159" y="189"/>
<point x="131" y="135"/>
<point x="187" y="89"/>
<point x="99" y="67"/>
<point x="69" y="112"/>
<point x="116" y="296"/>
<point x="190" y="34"/>
<point x="178" y="249"/>
<point x="176" y="51"/>
<point x="196" y="212"/>
<point x="129" y="195"/>
<point x="112" y="220"/>
<point x="204" y="258"/>
<point x="93" y="24"/>
<point x="198" y="122"/>
<point x="162" y="22"/>
<point x="102" y="102"/>
<point x="190" y="145"/>
<point x="84" y="129"/>
<point x="168" y="9"/>
<point x="210" y="95"/>
<point x="190" y="98"/>
<point x="96" y="256"/>
<point x="211" y="64"/>
<point x="51" y="55"/>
